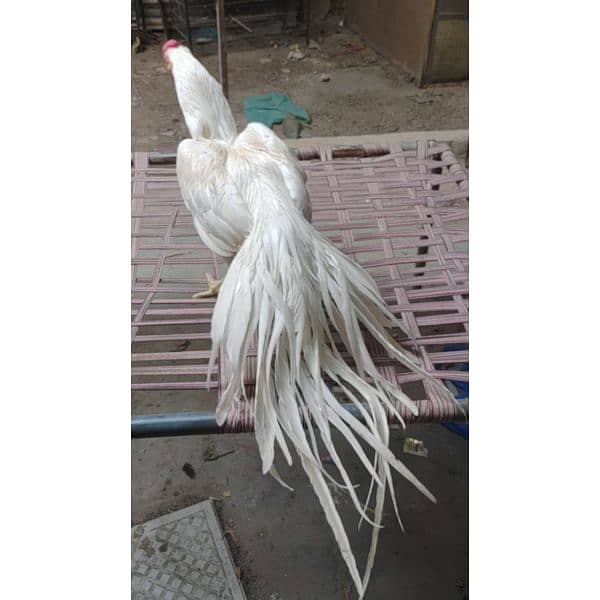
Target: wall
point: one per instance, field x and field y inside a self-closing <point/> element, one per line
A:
<point x="429" y="38"/>
<point x="449" y="48"/>
<point x="398" y="29"/>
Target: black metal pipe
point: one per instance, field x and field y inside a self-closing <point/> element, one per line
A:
<point x="202" y="423"/>
<point x="174" y="424"/>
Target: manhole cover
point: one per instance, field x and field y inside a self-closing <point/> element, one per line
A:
<point x="183" y="555"/>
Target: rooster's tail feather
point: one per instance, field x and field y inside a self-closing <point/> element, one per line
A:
<point x="291" y="291"/>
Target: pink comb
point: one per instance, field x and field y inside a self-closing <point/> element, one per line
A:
<point x="167" y="45"/>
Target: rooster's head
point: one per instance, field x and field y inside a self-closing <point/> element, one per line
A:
<point x="166" y="47"/>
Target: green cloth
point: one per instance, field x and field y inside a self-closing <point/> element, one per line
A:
<point x="272" y="108"/>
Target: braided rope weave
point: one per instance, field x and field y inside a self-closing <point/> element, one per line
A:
<point x="400" y="212"/>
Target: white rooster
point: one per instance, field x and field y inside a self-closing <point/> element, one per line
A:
<point x="289" y="289"/>
<point x="220" y="216"/>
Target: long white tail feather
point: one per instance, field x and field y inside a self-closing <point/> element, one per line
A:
<point x="275" y="475"/>
<point x="333" y="518"/>
<point x="293" y="292"/>
<point x="308" y="417"/>
<point x="379" y="501"/>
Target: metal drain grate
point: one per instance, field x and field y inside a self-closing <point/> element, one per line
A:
<point x="183" y="556"/>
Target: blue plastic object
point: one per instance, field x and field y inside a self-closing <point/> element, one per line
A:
<point x="461" y="429"/>
<point x="462" y="392"/>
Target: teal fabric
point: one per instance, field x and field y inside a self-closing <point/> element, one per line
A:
<point x="206" y="34"/>
<point x="272" y="108"/>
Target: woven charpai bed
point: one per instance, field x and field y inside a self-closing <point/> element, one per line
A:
<point x="401" y="211"/>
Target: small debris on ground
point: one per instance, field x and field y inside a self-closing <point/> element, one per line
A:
<point x="210" y="453"/>
<point x="285" y="71"/>
<point x="415" y="447"/>
<point x="295" y="53"/>
<point x="325" y="77"/>
<point x="227" y="494"/>
<point x="425" y="98"/>
<point x="189" y="470"/>
<point x="264" y="61"/>
<point x="231" y="532"/>
<point x="350" y="46"/>
<point x="312" y="45"/>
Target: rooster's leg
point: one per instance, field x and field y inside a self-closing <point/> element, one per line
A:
<point x="213" y="288"/>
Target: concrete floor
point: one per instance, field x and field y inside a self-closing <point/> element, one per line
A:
<point x="366" y="93"/>
<point x="280" y="540"/>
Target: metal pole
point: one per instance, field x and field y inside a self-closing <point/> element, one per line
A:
<point x="174" y="424"/>
<point x="192" y="423"/>
<point x="307" y="17"/>
<point x="188" y="26"/>
<point x="205" y="423"/>
<point x="220" y="9"/>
